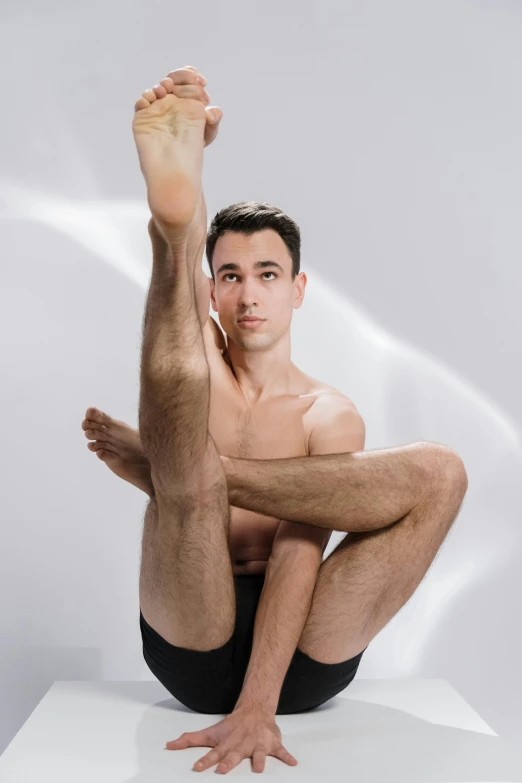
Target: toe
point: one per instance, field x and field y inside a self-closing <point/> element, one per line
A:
<point x="141" y="103"/>
<point x="168" y="84"/>
<point x="159" y="91"/>
<point x="97" y="416"/>
<point x="97" y="433"/>
<point x="98" y="446"/>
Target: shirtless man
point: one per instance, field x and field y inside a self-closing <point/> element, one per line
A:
<point x="249" y="474"/>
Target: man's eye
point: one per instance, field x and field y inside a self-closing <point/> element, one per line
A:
<point x="233" y="274"/>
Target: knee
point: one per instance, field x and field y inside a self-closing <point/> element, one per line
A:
<point x="446" y="467"/>
<point x="189" y="494"/>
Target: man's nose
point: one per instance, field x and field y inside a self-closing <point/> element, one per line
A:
<point x="248" y="294"/>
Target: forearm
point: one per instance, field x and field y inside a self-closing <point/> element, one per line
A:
<point x="281" y="615"/>
<point x="356" y="491"/>
<point x="197" y="236"/>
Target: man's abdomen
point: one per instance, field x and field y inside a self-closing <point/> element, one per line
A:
<point x="251" y="537"/>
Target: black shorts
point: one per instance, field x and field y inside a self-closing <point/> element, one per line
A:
<point x="211" y="681"/>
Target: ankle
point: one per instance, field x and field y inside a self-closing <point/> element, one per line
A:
<point x="228" y="464"/>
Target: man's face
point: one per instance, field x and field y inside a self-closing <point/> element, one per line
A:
<point x="265" y="290"/>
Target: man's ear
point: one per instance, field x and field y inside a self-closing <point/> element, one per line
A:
<point x="212" y="297"/>
<point x="300" y="284"/>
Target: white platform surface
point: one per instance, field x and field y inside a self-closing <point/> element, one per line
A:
<point x="377" y="730"/>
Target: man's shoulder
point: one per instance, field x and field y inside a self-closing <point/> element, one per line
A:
<point x="334" y="424"/>
<point x="330" y="403"/>
<point x="324" y="396"/>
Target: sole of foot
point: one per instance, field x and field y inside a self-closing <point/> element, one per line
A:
<point x="169" y="137"/>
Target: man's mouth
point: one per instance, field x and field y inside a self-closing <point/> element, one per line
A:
<point x="251" y="323"/>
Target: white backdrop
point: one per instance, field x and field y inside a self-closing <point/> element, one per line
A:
<point x="392" y="134"/>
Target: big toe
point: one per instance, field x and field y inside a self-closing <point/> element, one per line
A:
<point x="97" y="416"/>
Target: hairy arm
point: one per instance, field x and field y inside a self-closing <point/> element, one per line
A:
<point x="195" y="250"/>
<point x="292" y="570"/>
<point x="280" y="618"/>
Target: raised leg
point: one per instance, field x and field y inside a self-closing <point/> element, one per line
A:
<point x="186" y="581"/>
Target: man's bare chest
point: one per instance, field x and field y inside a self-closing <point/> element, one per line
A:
<point x="277" y="427"/>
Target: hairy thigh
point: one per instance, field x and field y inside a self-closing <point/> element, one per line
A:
<point x="186" y="578"/>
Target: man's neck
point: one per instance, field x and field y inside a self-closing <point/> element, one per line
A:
<point x="261" y="376"/>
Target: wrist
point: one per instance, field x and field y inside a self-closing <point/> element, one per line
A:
<point x="247" y="706"/>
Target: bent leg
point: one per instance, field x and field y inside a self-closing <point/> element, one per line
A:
<point x="351" y="492"/>
<point x="371" y="575"/>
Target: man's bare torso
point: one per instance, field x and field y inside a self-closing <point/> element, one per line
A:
<point x="274" y="428"/>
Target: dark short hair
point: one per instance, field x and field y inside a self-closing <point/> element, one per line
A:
<point x="247" y="217"/>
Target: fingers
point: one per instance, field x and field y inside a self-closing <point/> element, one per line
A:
<point x="187" y="75"/>
<point x="212" y="124"/>
<point x="195" y="91"/>
<point x="184" y="82"/>
<point x="236" y="744"/>
<point x="191" y="68"/>
<point x="191" y="91"/>
<point x="259" y="760"/>
<point x="227" y="759"/>
<point x="190" y="739"/>
<point x="214" y="114"/>
<point x="188" y="83"/>
<point x="284" y="755"/>
<point x="234" y="758"/>
<point x="211" y="758"/>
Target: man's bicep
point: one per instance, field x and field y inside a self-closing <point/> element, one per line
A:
<point x="202" y="297"/>
<point x="338" y="427"/>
